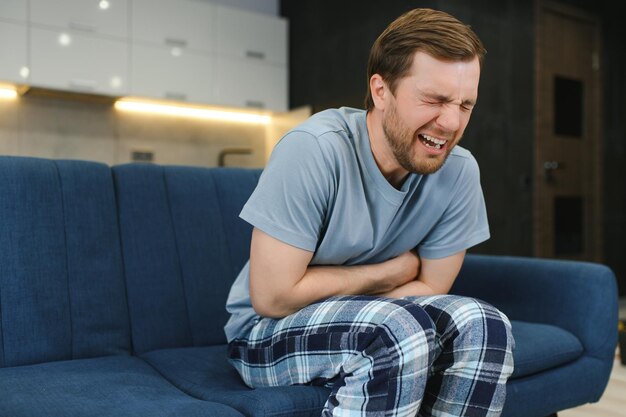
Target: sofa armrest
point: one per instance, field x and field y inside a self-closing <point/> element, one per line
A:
<point x="580" y="297"/>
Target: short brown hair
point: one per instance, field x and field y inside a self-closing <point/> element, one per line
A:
<point x="434" y="32"/>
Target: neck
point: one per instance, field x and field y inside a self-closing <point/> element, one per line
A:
<point x="383" y="155"/>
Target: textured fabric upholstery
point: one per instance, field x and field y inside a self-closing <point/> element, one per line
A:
<point x="204" y="372"/>
<point x="97" y="264"/>
<point x="183" y="245"/>
<point x="114" y="386"/>
<point x="62" y="292"/>
<point x="540" y="346"/>
<point x="577" y="297"/>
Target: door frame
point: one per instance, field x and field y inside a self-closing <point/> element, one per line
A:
<point x="593" y="222"/>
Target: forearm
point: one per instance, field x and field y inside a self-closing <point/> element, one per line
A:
<point x="413" y="288"/>
<point x="436" y="276"/>
<point x="282" y="280"/>
<point x="319" y="282"/>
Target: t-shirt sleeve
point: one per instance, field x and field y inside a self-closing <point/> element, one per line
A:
<point x="290" y="201"/>
<point x="464" y="221"/>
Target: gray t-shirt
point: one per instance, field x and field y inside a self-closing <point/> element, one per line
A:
<point x="323" y="192"/>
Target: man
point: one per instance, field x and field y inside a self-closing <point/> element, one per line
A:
<point x="361" y="222"/>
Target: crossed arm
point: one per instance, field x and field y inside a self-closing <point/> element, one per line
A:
<point x="282" y="281"/>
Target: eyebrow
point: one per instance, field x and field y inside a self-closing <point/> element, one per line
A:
<point x="445" y="99"/>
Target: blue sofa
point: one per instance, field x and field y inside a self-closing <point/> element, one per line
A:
<point x="113" y="283"/>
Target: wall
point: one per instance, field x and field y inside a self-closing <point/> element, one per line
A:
<point x="330" y="43"/>
<point x="78" y="129"/>
<point x="614" y="130"/>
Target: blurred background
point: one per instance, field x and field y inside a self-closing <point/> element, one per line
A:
<point x="217" y="82"/>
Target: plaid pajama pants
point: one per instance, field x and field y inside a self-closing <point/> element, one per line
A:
<point x="417" y="356"/>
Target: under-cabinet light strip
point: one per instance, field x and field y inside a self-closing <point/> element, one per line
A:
<point x="190" y="111"/>
<point x="8" y="92"/>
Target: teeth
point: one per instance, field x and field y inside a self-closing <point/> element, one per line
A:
<point x="435" y="140"/>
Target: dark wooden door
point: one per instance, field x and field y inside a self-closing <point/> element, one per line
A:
<point x="568" y="184"/>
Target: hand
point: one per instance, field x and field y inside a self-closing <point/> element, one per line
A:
<point x="410" y="264"/>
<point x="404" y="268"/>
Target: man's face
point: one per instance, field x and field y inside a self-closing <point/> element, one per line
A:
<point x="429" y="111"/>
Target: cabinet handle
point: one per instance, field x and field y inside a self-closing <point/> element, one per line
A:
<point x="171" y="95"/>
<point x="255" y="103"/>
<point x="83" y="84"/>
<point x="85" y="27"/>
<point x="255" y="54"/>
<point x="181" y="43"/>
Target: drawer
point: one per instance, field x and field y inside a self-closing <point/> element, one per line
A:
<point x="83" y="15"/>
<point x="179" y="74"/>
<point x="242" y="83"/>
<point x="174" y="23"/>
<point x="70" y="60"/>
<point x="254" y="36"/>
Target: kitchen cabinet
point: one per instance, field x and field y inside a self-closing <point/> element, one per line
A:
<point x="16" y="10"/>
<point x="13" y="43"/>
<point x="174" y="23"/>
<point x="184" y="50"/>
<point x="209" y="54"/>
<point x="176" y="74"/>
<point x="251" y="59"/>
<point x="76" y="61"/>
<point x="99" y="17"/>
<point x="245" y="83"/>
<point x="253" y="36"/>
<point x="80" y="45"/>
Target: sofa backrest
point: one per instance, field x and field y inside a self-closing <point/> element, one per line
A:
<point x="62" y="291"/>
<point x="183" y="245"/>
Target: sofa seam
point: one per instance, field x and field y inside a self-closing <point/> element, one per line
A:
<point x="120" y="246"/>
<point x="177" y="249"/>
<point x="67" y="260"/>
<point x="221" y="222"/>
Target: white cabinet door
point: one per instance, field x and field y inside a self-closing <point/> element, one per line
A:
<point x="254" y="36"/>
<point x="13" y="57"/>
<point x="242" y="83"/>
<point x="102" y="17"/>
<point x="160" y="72"/>
<point x="14" y="10"/>
<point x="70" y="60"/>
<point x="175" y="23"/>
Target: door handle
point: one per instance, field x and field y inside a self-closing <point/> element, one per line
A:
<point x="548" y="168"/>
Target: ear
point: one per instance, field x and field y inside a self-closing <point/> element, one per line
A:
<point x="379" y="91"/>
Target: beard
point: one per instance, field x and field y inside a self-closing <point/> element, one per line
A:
<point x="401" y="140"/>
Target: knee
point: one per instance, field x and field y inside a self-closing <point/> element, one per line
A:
<point x="403" y="320"/>
<point x="482" y="321"/>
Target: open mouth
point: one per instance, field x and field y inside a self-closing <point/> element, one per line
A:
<point x="431" y="142"/>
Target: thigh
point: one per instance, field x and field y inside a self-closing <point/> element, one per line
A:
<point x="473" y="357"/>
<point x="452" y="311"/>
<point x="328" y="338"/>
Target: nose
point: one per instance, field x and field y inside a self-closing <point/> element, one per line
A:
<point x="449" y="118"/>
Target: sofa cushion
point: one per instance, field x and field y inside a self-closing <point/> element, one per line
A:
<point x="183" y="246"/>
<point x="62" y="292"/>
<point x="112" y="386"/>
<point x="204" y="372"/>
<point x="539" y="347"/>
